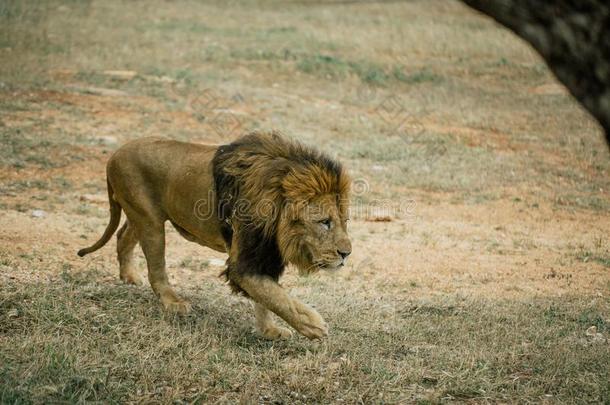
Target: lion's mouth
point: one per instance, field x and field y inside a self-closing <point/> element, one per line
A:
<point x="333" y="265"/>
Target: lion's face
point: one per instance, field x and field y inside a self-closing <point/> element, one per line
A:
<point x="313" y="235"/>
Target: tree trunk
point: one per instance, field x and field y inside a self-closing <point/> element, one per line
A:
<point x="573" y="37"/>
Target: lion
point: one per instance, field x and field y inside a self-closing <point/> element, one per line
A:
<point x="264" y="199"/>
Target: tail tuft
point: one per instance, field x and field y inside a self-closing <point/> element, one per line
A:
<point x="115" y="219"/>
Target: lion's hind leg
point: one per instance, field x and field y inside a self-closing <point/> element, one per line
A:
<point x="266" y="326"/>
<point x="126" y="242"/>
<point x="148" y="226"/>
<point x="152" y="241"/>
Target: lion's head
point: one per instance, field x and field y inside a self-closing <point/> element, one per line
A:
<point x="282" y="202"/>
<point x="312" y="227"/>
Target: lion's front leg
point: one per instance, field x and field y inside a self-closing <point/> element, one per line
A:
<point x="266" y="326"/>
<point x="268" y="294"/>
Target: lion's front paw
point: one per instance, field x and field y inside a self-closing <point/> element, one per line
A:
<point x="276" y="332"/>
<point x="176" y="305"/>
<point x="311" y="324"/>
<point x="132" y="278"/>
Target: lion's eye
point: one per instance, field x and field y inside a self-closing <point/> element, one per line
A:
<point x="325" y="223"/>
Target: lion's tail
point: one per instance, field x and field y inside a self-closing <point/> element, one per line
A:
<point x="115" y="219"/>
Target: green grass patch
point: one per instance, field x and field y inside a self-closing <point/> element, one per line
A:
<point x="29" y="146"/>
<point x="332" y="67"/>
<point x="586" y="256"/>
<point x="416" y="77"/>
<point x="196" y="27"/>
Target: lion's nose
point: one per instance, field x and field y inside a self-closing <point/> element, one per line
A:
<point x="343" y="254"/>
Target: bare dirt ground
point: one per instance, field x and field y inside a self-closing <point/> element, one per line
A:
<point x="481" y="256"/>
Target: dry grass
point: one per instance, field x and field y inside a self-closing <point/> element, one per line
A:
<point x="479" y="286"/>
<point x="80" y="339"/>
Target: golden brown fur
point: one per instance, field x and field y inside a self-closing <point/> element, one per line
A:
<point x="265" y="200"/>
